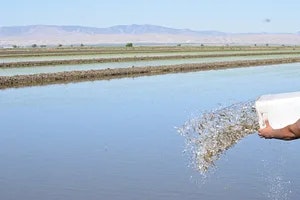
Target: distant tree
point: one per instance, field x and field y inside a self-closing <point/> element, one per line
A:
<point x="34" y="46"/>
<point x="267" y="45"/>
<point x="129" y="45"/>
<point x="43" y="46"/>
<point x="202" y="45"/>
<point x="179" y="45"/>
<point x="60" y="45"/>
<point x="82" y="45"/>
<point x="14" y="46"/>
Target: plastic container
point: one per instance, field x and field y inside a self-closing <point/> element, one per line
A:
<point x="280" y="109"/>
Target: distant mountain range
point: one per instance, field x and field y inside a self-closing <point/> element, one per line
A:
<point x="51" y="34"/>
<point x="120" y="29"/>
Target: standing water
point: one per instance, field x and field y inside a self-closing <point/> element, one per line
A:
<point x="116" y="139"/>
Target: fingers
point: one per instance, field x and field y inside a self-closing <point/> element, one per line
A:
<point x="260" y="133"/>
<point x="261" y="130"/>
<point x="266" y="131"/>
<point x="264" y="136"/>
<point x="267" y="123"/>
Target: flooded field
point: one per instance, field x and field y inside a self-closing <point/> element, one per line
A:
<point x="119" y="139"/>
<point x="128" y="55"/>
<point x="84" y="67"/>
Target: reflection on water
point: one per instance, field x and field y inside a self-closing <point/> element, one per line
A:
<point x="98" y="66"/>
<point x="116" y="139"/>
<point x="209" y="135"/>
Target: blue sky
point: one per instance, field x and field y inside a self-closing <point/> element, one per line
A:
<point x="221" y="15"/>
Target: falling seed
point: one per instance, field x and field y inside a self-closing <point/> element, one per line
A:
<point x="214" y="132"/>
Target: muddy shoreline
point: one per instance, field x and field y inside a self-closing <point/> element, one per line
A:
<point x="106" y="74"/>
<point x="129" y="59"/>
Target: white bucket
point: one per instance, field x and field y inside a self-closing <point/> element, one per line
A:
<point x="280" y="109"/>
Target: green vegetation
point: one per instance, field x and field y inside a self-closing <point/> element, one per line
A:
<point x="129" y="45"/>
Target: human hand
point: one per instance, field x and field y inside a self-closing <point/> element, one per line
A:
<point x="266" y="132"/>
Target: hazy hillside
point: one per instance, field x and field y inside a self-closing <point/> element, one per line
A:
<point x="66" y="35"/>
<point x="120" y="29"/>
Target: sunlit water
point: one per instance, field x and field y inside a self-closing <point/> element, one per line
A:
<point x="82" y="67"/>
<point x="117" y="139"/>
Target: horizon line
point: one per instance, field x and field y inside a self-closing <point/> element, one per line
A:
<point x="189" y="29"/>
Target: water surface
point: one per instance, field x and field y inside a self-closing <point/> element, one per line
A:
<point x="96" y="66"/>
<point x="116" y="139"/>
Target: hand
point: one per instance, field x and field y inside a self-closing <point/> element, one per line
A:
<point x="267" y="132"/>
